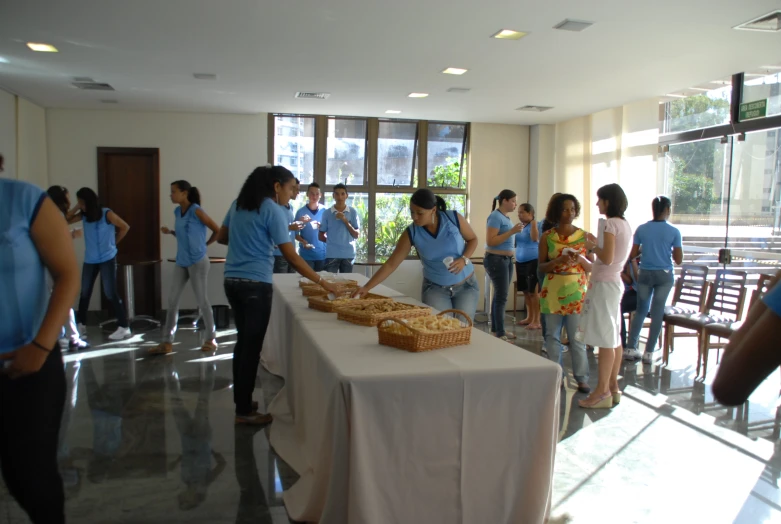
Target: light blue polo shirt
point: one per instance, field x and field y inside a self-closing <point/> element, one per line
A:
<point x="433" y="249"/>
<point x="657" y="238"/>
<point x="99" y="239"/>
<point x="288" y="209"/>
<point x="526" y="249"/>
<point x="310" y="234"/>
<point x="252" y="236"/>
<point x="340" y="243"/>
<point x="772" y="299"/>
<point x="499" y="220"/>
<point x="24" y="296"/>
<point x="190" y="236"/>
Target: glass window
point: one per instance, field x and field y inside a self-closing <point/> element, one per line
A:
<point x="346" y="151"/>
<point x="445" y="155"/>
<point x="456" y="203"/>
<point x="396" y="153"/>
<point x="698" y="107"/>
<point x="764" y="86"/>
<point x="392" y="216"/>
<point x="294" y="145"/>
<point x="360" y="201"/>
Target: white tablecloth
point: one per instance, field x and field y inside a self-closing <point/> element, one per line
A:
<point x="381" y="436"/>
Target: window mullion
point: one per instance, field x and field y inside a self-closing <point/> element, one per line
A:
<point x="423" y="153"/>
<point x="372" y="136"/>
<point x="321" y="139"/>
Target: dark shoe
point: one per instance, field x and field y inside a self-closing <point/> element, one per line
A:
<point x="584" y="388"/>
<point x="254" y="419"/>
<point x="78" y="345"/>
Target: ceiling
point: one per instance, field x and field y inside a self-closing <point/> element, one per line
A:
<point x="369" y="54"/>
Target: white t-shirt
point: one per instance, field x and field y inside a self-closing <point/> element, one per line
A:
<point x="601" y="272"/>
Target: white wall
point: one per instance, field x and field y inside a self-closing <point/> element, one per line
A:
<point x="213" y="152"/>
<point x="8" y="132"/>
<point x="31" y="155"/>
<point x="542" y="163"/>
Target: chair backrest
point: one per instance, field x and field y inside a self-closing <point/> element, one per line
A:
<point x="691" y="287"/>
<point x="763" y="285"/>
<point x="728" y="293"/>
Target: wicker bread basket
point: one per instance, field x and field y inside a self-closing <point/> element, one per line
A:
<point x="355" y="314"/>
<point x="321" y="302"/>
<point x="416" y="340"/>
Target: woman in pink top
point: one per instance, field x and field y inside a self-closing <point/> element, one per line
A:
<point x="600" y="324"/>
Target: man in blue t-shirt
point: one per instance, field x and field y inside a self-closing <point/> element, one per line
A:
<point x="310" y="247"/>
<point x="338" y="230"/>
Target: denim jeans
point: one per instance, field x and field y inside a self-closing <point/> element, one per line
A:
<point x="281" y="265"/>
<point x="251" y="304"/>
<point x="500" y="269"/>
<point x="652" y="291"/>
<point x="339" y="265"/>
<point x="197" y="274"/>
<point x="577" y="350"/>
<point x="316" y="265"/>
<point x="463" y="296"/>
<point x="108" y="277"/>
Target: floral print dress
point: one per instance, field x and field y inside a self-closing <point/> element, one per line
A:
<point x="564" y="289"/>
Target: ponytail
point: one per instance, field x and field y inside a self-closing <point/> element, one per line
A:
<point x="193" y="195"/>
<point x="505" y="194"/>
<point x="659" y="205"/>
<point x="426" y="199"/>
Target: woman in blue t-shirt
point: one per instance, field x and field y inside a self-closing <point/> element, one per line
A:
<point x="103" y="230"/>
<point x="499" y="253"/>
<point x="34" y="238"/>
<point x="526" y="251"/>
<point x="192" y="263"/>
<point x="255" y="223"/>
<point x="444" y="241"/>
<point x="661" y="244"/>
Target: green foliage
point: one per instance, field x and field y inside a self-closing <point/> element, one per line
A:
<point x="448" y="175"/>
<point x="692" y="194"/>
<point x="696" y="112"/>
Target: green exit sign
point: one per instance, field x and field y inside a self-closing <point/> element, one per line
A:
<point x="751" y="110"/>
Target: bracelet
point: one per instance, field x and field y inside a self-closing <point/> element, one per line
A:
<point x="39" y="346"/>
<point x="319" y="279"/>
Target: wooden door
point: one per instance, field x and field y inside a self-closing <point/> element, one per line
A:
<point x="129" y="184"/>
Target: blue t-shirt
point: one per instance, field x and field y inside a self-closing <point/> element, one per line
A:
<point x="190" y="236"/>
<point x="24" y="294"/>
<point x="772" y="299"/>
<point x="252" y="236"/>
<point x="99" y="239"/>
<point x="288" y="209"/>
<point x="498" y="220"/>
<point x="433" y="249"/>
<point x="310" y="234"/>
<point x="657" y="238"/>
<point x="341" y="243"/>
<point x="526" y="249"/>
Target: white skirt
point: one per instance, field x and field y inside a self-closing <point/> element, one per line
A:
<point x="600" y="321"/>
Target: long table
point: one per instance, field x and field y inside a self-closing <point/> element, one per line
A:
<point x="378" y="435"/>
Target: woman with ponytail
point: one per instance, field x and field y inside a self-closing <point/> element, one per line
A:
<point x="499" y="252"/>
<point x="444" y="241"/>
<point x="192" y="263"/>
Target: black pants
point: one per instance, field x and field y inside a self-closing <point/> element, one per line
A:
<point x="251" y="304"/>
<point x="628" y="304"/>
<point x="30" y="416"/>
<point x="281" y="265"/>
<point x="108" y="277"/>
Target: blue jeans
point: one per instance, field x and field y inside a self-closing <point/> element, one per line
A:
<point x="316" y="265"/>
<point x="339" y="265"/>
<point x="500" y="269"/>
<point x="281" y="265"/>
<point x="577" y="350"/>
<point x="463" y="296"/>
<point x="108" y="277"/>
<point x="652" y="291"/>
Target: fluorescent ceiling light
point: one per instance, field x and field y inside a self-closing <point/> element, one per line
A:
<point x="509" y="34"/>
<point x="3" y="60"/>
<point x="454" y="71"/>
<point x="392" y="112"/>
<point x="676" y="96"/>
<point x="573" y="25"/>
<point x="699" y="89"/>
<point x="41" y="48"/>
<point x="417" y="95"/>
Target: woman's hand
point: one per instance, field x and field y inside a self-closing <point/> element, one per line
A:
<point x="457" y="266"/>
<point x="165" y="230"/>
<point x="361" y="292"/>
<point x="563" y="259"/>
<point x="77" y="233"/>
<point x="305" y="218"/>
<point x="329" y="286"/>
<point x="517" y="228"/>
<point x="591" y="242"/>
<point x="296" y="226"/>
<point x="24" y="361"/>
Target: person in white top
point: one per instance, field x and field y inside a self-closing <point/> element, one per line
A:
<point x="600" y="324"/>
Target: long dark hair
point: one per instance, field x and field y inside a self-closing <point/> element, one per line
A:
<point x="260" y="186"/>
<point x="426" y="199"/>
<point x="506" y="194"/>
<point x="659" y="205"/>
<point x="193" y="195"/>
<point x="93" y="211"/>
<point x="59" y="195"/>
<point x="556" y="207"/>
<point x="616" y="200"/>
<point x="528" y="208"/>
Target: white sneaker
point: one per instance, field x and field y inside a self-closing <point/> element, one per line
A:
<point x="648" y="358"/>
<point x="82" y="331"/>
<point x="632" y="354"/>
<point x="120" y="333"/>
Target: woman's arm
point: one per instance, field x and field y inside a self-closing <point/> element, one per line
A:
<point x="678" y="255"/>
<point x="493" y="238"/>
<point x="634" y="252"/>
<point x="470" y="239"/>
<point x="74" y="215"/>
<point x="543" y="264"/>
<point x="207" y="221"/>
<point x="607" y="252"/>
<point x="289" y="252"/>
<point x="222" y="236"/>
<point x="400" y="252"/>
<point x="120" y="224"/>
<point x="535" y="232"/>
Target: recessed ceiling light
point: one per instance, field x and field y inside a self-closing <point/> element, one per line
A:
<point x="41" y="48"/>
<point x="392" y="112"/>
<point x="205" y="76"/>
<point x="458" y="90"/>
<point x="509" y="34"/>
<point x="573" y="25"/>
<point x="673" y="95"/>
<point x="417" y="95"/>
<point x="770" y="22"/>
<point x="534" y="109"/>
<point x="3" y="60"/>
<point x="454" y="71"/>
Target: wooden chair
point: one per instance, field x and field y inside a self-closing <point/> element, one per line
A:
<point x="723" y="331"/>
<point x="689" y="296"/>
<point x="724" y="305"/>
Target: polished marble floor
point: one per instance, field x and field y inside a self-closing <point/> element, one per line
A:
<point x="151" y="439"/>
